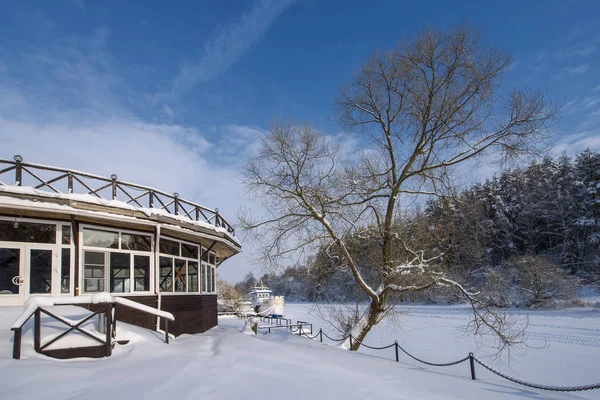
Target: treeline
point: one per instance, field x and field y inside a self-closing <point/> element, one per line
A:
<point x="519" y="229"/>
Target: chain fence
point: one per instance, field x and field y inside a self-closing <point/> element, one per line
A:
<point x="471" y="358"/>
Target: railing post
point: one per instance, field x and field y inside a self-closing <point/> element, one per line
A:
<point x="151" y="198"/>
<point x="472" y="362"/>
<point x="197" y="213"/>
<point x="166" y="330"/>
<point x="321" y="334"/>
<point x="176" y="202"/>
<point x="18" y="170"/>
<point x="114" y="186"/>
<point x="396" y="347"/>
<point x="350" y="342"/>
<point x="17" y="344"/>
<point x="217" y="222"/>
<point x="37" y="334"/>
<point x="70" y="182"/>
<point x="108" y="329"/>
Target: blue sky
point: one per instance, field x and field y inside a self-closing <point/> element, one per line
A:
<point x="103" y="86"/>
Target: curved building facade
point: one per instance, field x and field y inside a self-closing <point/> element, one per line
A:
<point x="70" y="233"/>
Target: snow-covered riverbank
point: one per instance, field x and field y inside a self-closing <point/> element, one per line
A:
<point x="227" y="364"/>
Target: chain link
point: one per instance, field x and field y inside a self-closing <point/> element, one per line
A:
<point x="542" y="387"/>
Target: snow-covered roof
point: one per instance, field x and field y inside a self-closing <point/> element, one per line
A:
<point x="73" y="198"/>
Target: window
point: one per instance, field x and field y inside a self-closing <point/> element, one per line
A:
<point x="135" y="242"/>
<point x="189" y="251"/>
<point x="179" y="267"/>
<point x="66" y="234"/>
<point x="93" y="271"/>
<point x="120" y="258"/>
<point x="120" y="265"/>
<point x="97" y="238"/>
<point x="192" y="276"/>
<point x="169" y="247"/>
<point x="65" y="271"/>
<point x="29" y="232"/>
<point x="166" y="274"/>
<point x="141" y="273"/>
<point x="204" y="267"/>
<point x="180" y="275"/>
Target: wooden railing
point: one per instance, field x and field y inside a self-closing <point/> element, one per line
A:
<point x="59" y="180"/>
<point x="104" y="309"/>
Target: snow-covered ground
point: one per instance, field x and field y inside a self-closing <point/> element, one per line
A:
<point x="225" y="363"/>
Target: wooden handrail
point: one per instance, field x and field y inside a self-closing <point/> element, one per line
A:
<point x="210" y="216"/>
<point x="35" y="310"/>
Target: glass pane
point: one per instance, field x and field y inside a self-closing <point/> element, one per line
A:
<point x="94" y="257"/>
<point x="17" y="231"/>
<point x="9" y="268"/>
<point x="120" y="265"/>
<point x="189" y="251"/>
<point x="97" y="238"/>
<point x="211" y="258"/>
<point x="65" y="271"/>
<point x="204" y="277"/>
<point x="141" y="273"/>
<point x="40" y="271"/>
<point x="66" y="234"/>
<point x="165" y="281"/>
<point x="169" y="247"/>
<point x="180" y="276"/>
<point x="204" y="255"/>
<point x="135" y="242"/>
<point x="214" y="280"/>
<point x="192" y="276"/>
<point x="93" y="271"/>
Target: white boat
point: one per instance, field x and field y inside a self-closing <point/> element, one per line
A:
<point x="265" y="304"/>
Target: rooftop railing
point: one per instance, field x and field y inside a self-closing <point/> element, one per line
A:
<point x="60" y="180"/>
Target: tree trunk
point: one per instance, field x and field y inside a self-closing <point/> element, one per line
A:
<point x="364" y="325"/>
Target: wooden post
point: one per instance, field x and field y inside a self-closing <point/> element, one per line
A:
<point x="108" y="329"/>
<point x="176" y="202"/>
<point x="18" y="171"/>
<point x="321" y="334"/>
<point x="166" y="331"/>
<point x="350" y="343"/>
<point x="17" y="344"/>
<point x="151" y="199"/>
<point x="70" y="181"/>
<point x="113" y="177"/>
<point x="37" y="330"/>
<point x="396" y="347"/>
<point x="472" y="362"/>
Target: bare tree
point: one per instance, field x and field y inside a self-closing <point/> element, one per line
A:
<point x="420" y="109"/>
<point x="230" y="299"/>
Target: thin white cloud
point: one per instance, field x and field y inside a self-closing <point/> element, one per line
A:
<point x="576" y="143"/>
<point x="580" y="69"/>
<point x="228" y="46"/>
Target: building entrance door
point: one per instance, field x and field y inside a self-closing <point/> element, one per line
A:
<point x="26" y="270"/>
<point x="12" y="260"/>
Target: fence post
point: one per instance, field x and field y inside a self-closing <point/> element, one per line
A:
<point x="113" y="177"/>
<point x="37" y="334"/>
<point x="396" y="348"/>
<point x="321" y="334"/>
<point x="166" y="330"/>
<point x="108" y="329"/>
<point x="350" y="336"/>
<point x="18" y="170"/>
<point x="472" y="362"/>
<point x="150" y="198"/>
<point x="17" y="344"/>
<point x="70" y="181"/>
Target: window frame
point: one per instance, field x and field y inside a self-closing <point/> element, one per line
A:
<point x="107" y="270"/>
